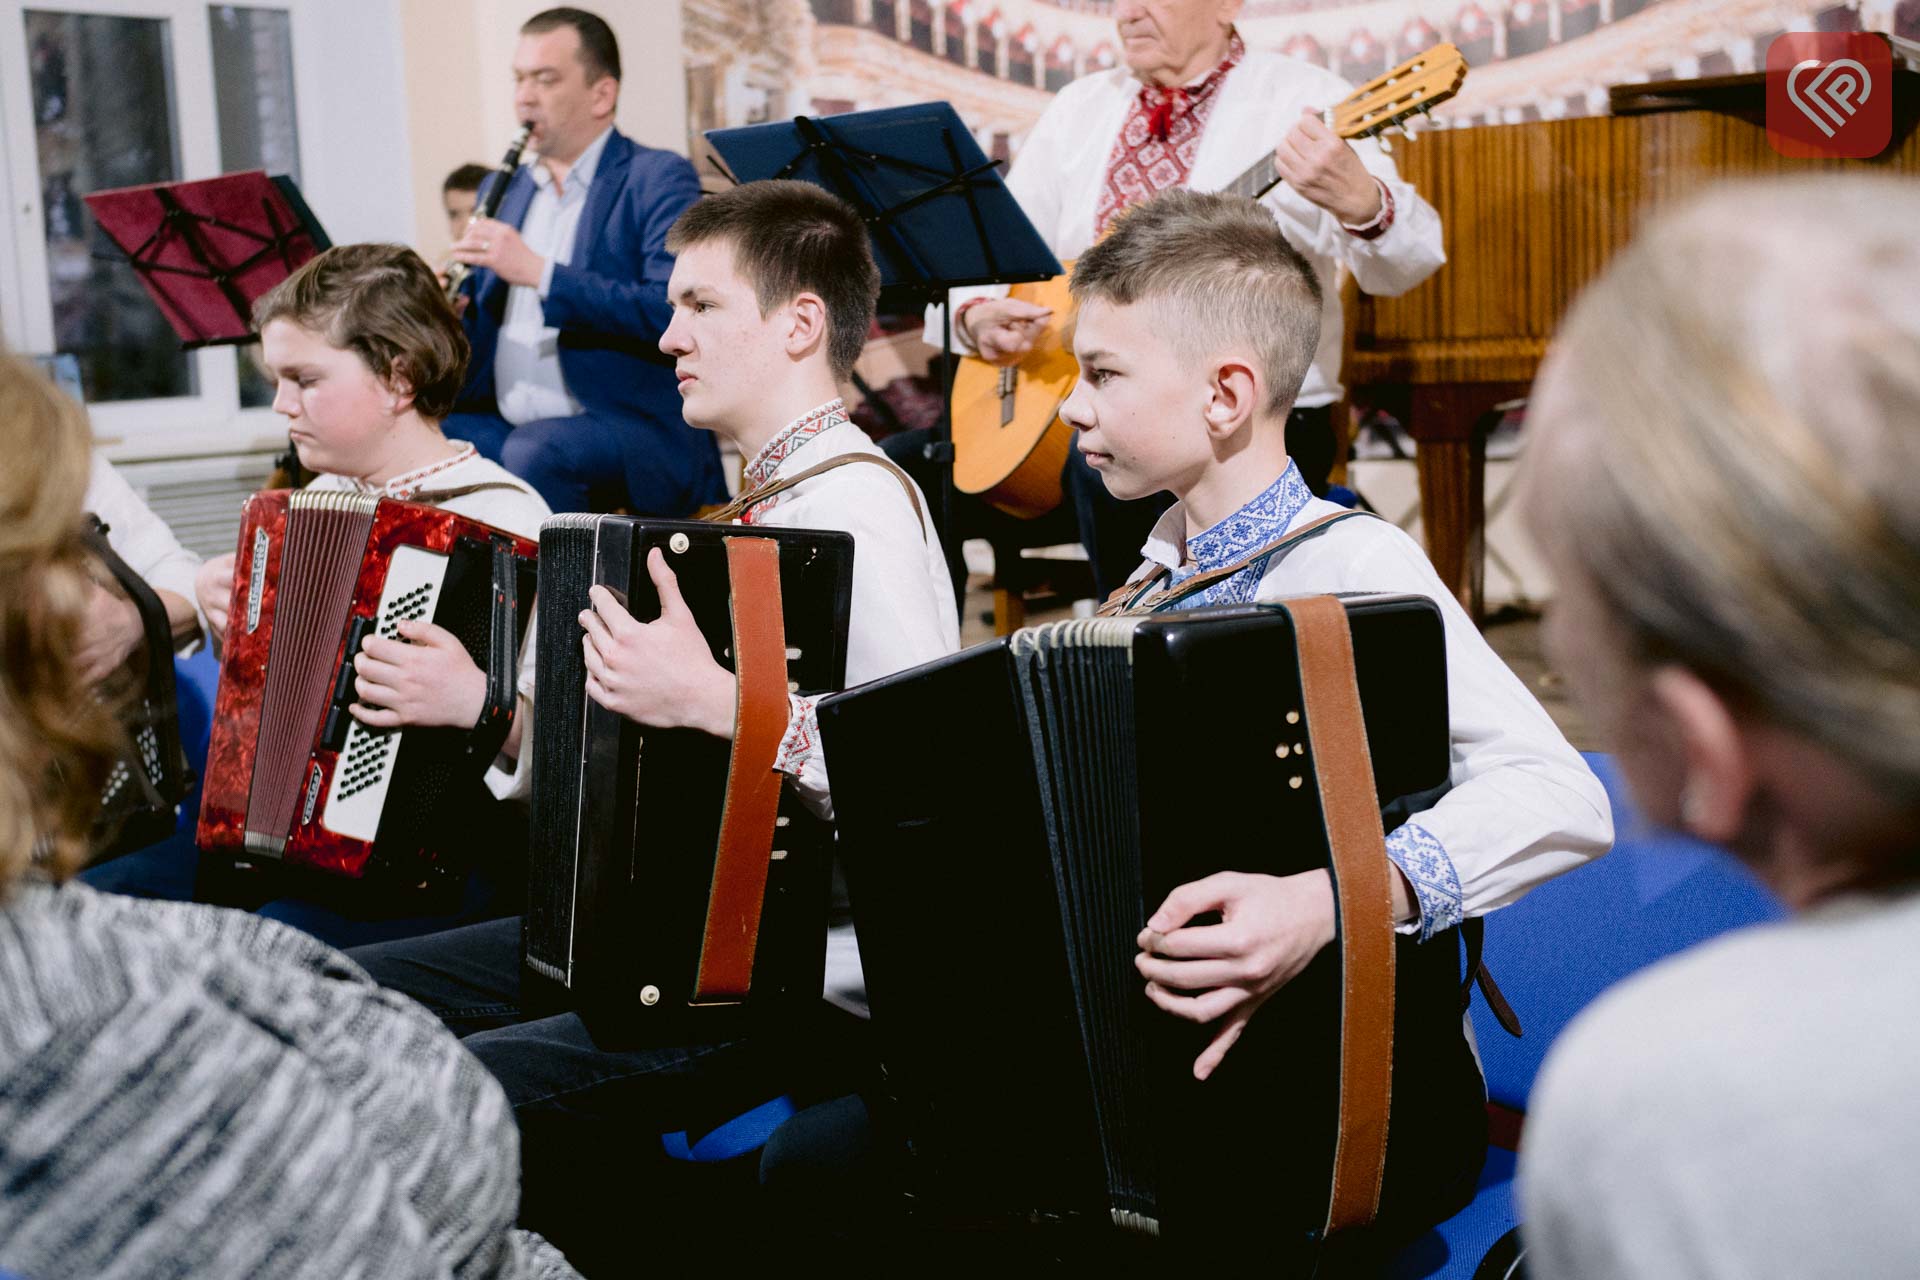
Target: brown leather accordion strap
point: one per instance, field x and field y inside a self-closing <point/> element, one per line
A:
<point x="1138" y="596"/>
<point x="434" y="497"/>
<point x="753" y="787"/>
<point x="739" y="506"/>
<point x="1363" y="894"/>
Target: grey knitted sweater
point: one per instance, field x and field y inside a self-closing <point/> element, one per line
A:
<point x="189" y="1091"/>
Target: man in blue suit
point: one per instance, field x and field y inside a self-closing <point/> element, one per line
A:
<point x="567" y="387"/>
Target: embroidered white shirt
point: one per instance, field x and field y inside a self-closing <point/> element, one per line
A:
<point x="518" y="511"/>
<point x="526" y="364"/>
<point x="1524" y="806"/>
<point x="1062" y="170"/>
<point x="902" y="611"/>
<point x="142" y="538"/>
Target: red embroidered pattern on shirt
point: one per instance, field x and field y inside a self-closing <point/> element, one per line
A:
<point x="803" y="732"/>
<point x="766" y="463"/>
<point x="407" y="484"/>
<point x="1145" y="160"/>
<point x="791" y="437"/>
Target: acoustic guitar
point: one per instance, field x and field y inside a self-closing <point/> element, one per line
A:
<point x="1008" y="441"/>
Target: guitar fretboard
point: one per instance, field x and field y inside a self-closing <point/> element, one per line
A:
<point x="1257" y="180"/>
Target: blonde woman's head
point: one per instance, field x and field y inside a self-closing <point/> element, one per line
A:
<point x="1724" y="471"/>
<point x="56" y="739"/>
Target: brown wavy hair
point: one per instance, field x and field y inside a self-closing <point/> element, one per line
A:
<point x="57" y="740"/>
<point x="383" y="303"/>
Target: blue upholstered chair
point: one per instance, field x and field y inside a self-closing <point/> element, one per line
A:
<point x="196" y="680"/>
<point x="745" y="1133"/>
<point x="1553" y="952"/>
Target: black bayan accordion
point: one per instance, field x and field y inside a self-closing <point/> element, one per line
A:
<point x="292" y="776"/>
<point x="140" y="802"/>
<point x="1095" y="766"/>
<point x="677" y="890"/>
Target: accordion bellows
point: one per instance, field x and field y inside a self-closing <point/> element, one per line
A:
<point x="291" y="775"/>
<point x="998" y="892"/>
<point x="625" y="868"/>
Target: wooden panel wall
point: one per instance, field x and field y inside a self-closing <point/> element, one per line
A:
<point x="1532" y="212"/>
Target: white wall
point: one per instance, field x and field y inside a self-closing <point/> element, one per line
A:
<point x="458" y="57"/>
<point x="354" y="129"/>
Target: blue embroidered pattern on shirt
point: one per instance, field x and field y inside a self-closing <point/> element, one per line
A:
<point x="1431" y="873"/>
<point x="1251" y="527"/>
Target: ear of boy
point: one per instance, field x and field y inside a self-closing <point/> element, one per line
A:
<point x="1233" y="399"/>
<point x="808" y="330"/>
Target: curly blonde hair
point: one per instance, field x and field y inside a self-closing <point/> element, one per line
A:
<point x="57" y="740"/>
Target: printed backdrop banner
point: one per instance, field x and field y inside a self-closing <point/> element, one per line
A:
<point x="1000" y="61"/>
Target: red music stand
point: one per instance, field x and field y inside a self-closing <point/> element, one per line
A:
<point x="206" y="250"/>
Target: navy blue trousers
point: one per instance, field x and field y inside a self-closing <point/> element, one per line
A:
<point x="593" y="463"/>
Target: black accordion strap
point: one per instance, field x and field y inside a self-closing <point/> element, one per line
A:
<point x="748" y="817"/>
<point x="1139" y="596"/>
<point x="163" y="707"/>
<point x="1363" y="895"/>
<point x="503" y="654"/>
<point x="739" y="506"/>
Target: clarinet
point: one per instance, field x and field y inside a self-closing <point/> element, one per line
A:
<point x="458" y="272"/>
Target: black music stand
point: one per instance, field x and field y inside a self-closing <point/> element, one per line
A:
<point x="935" y="207"/>
<point x="206" y="250"/>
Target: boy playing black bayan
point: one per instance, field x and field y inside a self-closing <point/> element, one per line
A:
<point x="773" y="291"/>
<point x="1196" y="322"/>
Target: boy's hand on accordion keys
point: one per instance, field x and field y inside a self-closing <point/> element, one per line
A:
<point x="425" y="678"/>
<point x="1270" y="928"/>
<point x="213" y="591"/>
<point x="658" y="673"/>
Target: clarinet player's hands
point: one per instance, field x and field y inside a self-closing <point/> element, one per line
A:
<point x="1270" y="928"/>
<point x="493" y="244"/>
<point x="658" y="673"/>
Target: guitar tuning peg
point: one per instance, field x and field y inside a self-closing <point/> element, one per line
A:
<point x="1386" y="144"/>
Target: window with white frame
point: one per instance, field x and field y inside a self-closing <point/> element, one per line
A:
<point x="96" y="94"/>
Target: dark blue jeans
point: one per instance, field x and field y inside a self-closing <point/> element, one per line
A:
<point x="171" y="871"/>
<point x="590" y="462"/>
<point x="594" y="1178"/>
<point x="470" y="979"/>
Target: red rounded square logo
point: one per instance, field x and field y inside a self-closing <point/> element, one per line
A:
<point x="1829" y="93"/>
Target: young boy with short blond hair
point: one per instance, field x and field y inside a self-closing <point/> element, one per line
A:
<point x="1195" y="324"/>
